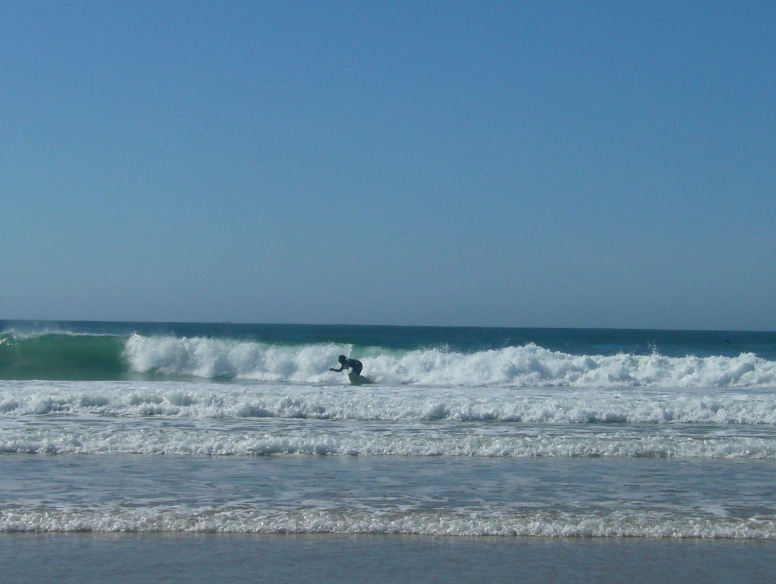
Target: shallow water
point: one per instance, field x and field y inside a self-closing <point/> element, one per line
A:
<point x="317" y="559"/>
<point x="432" y="496"/>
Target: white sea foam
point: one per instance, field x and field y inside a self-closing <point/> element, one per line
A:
<point x="444" y="523"/>
<point x="183" y="418"/>
<point x="348" y="441"/>
<point x="526" y="366"/>
<point x="552" y="405"/>
<point x="204" y="357"/>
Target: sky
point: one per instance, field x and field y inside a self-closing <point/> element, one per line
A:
<point x="520" y="164"/>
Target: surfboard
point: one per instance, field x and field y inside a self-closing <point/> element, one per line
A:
<point x="357" y="379"/>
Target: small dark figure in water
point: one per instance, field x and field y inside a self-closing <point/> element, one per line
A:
<point x="346" y="363"/>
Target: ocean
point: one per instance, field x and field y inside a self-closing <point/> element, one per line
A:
<point x="165" y="452"/>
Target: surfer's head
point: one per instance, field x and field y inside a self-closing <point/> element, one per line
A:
<point x="342" y="358"/>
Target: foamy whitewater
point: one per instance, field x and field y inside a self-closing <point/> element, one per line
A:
<point x="525" y="366"/>
<point x="149" y="427"/>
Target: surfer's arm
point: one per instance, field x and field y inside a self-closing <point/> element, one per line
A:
<point x="336" y="370"/>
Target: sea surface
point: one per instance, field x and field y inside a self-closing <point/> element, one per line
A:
<point x="523" y="445"/>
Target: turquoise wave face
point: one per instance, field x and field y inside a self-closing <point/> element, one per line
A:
<point x="62" y="356"/>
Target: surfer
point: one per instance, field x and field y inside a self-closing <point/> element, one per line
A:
<point x="346" y="363"/>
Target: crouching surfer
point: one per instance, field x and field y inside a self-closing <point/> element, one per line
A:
<point x="346" y="363"/>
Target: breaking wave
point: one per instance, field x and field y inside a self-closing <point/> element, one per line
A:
<point x="525" y="366"/>
<point x="69" y="356"/>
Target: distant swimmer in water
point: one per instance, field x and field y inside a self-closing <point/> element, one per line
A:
<point x="346" y="363"/>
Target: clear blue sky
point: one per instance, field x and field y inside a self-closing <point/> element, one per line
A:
<point x="581" y="164"/>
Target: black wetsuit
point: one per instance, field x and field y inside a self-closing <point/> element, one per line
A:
<point x="353" y="364"/>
